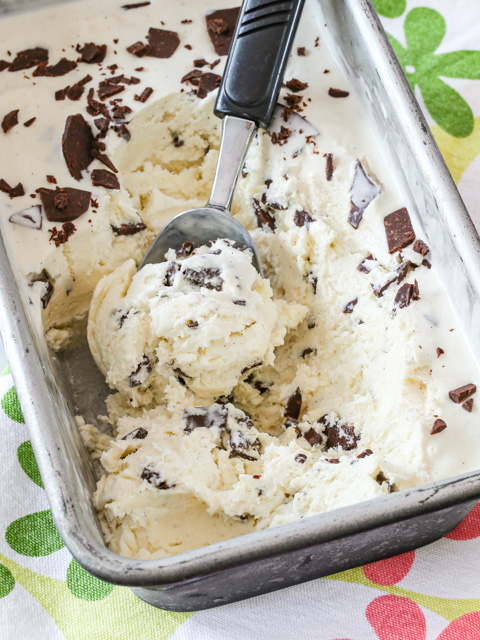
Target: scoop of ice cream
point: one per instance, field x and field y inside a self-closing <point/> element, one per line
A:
<point x="205" y="316"/>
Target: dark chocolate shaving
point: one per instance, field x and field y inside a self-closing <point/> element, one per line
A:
<point x="77" y="145"/>
<point x="28" y="58"/>
<point x="300" y="458"/>
<point x="10" y="120"/>
<point x="172" y="269"/>
<point x="62" y="67"/>
<point x="104" y="178"/>
<point x="365" y="453"/>
<point x="64" y="205"/>
<point x="208" y="278"/>
<point x="141" y="373"/>
<point x="220" y="27"/>
<point x="139" y="49"/>
<point x="399" y="230"/>
<point x="31" y="217"/>
<point x="29" y="123"/>
<point x="421" y="247"/>
<point x="44" y="277"/>
<point x="265" y="220"/>
<point x="185" y="250"/>
<point x="128" y="228"/>
<point x="404" y="295"/>
<point x="62" y="235"/>
<point x="144" y="96"/>
<point x="341" y="436"/>
<point x="329" y="166"/>
<point x="462" y="393"/>
<point x="303" y="219"/>
<point x="92" y="53"/>
<point x="135" y="5"/>
<point x="364" y="191"/>
<point x="295" y="85"/>
<point x="139" y="434"/>
<point x="338" y="93"/>
<point x="154" y="478"/>
<point x="438" y="426"/>
<point x="440" y="352"/>
<point x="468" y="405"/>
<point x="349" y="307"/>
<point x="206" y="417"/>
<point x="312" y="437"/>
<point x="293" y="405"/>
<point x="162" y="43"/>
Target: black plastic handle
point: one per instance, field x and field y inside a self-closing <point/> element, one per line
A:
<point x="257" y="58"/>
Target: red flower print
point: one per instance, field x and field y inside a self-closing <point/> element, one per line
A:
<point x="389" y="571"/>
<point x="469" y="528"/>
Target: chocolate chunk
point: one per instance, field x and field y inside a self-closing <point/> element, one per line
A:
<point x="154" y="478"/>
<point x="62" y="67"/>
<point x="101" y="157"/>
<point x="300" y="458"/>
<point x="64" y="205"/>
<point x="468" y="405"/>
<point x="381" y="478"/>
<point x="29" y="123"/>
<point x="77" y="145"/>
<point x="162" y="43"/>
<point x="462" y="393"/>
<point x="301" y="51"/>
<point x="338" y="93"/>
<point x="4" y="186"/>
<point x="399" y="230"/>
<point x="74" y="92"/>
<point x="366" y="453"/>
<point x="416" y="291"/>
<point x="421" y="247"/>
<point x="122" y="131"/>
<point x="102" y="124"/>
<point x="44" y="277"/>
<point x="62" y="235"/>
<point x="120" y="112"/>
<point x="311" y="324"/>
<point x="241" y="303"/>
<point x="28" y="58"/>
<point x="379" y="288"/>
<point x="312" y="437"/>
<point x="61" y="94"/>
<point x="192" y="77"/>
<point x="135" y="5"/>
<point x="141" y="373"/>
<point x="261" y="386"/>
<point x="404" y="295"/>
<point x="349" y="307"/>
<point x="281" y="137"/>
<point x="293" y="405"/>
<point x="403" y="270"/>
<point x="10" y="120"/>
<point x="208" y="82"/>
<point x="220" y="27"/>
<point x="31" y="217"/>
<point x="107" y="89"/>
<point x="200" y="63"/>
<point x="265" y="220"/>
<point x="172" y="269"/>
<point x="139" y="49"/>
<point x="427" y="264"/>
<point x="92" y="53"/>
<point x="295" y="85"/>
<point x="193" y="324"/>
<point x="341" y="436"/>
<point x="139" y="434"/>
<point x="440" y="352"/>
<point x="308" y="352"/>
<point x="144" y="96"/>
<point x="364" y="191"/>
<point x="177" y="142"/>
<point x="17" y="191"/>
<point x="207" y="417"/>
<point x="4" y="65"/>
<point x="185" y="250"/>
<point x="208" y="278"/>
<point x="329" y="166"/>
<point x="438" y="426"/>
<point x="128" y="228"/>
<point x="363" y="267"/>
<point x="303" y="219"/>
<point x="104" y="178"/>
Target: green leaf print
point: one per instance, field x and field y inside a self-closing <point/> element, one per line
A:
<point x="28" y="463"/>
<point x="390" y="8"/>
<point x="11" y="406"/>
<point x="458" y="64"/>
<point x="424" y="32"/>
<point x="34" y="535"/>
<point x="7" y="581"/>
<point x="85" y="586"/>
<point x="447" y="108"/>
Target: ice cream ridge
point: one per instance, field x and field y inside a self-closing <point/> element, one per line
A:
<point x="238" y="402"/>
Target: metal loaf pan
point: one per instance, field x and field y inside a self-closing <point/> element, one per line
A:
<point x="268" y="560"/>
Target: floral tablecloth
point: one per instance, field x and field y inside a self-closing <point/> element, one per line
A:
<point x="432" y="593"/>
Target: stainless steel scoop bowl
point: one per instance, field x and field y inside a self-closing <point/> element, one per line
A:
<point x="246" y="99"/>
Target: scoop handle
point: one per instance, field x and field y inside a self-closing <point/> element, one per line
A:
<point x="257" y="58"/>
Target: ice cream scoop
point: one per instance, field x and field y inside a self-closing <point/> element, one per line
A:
<point x="246" y="100"/>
